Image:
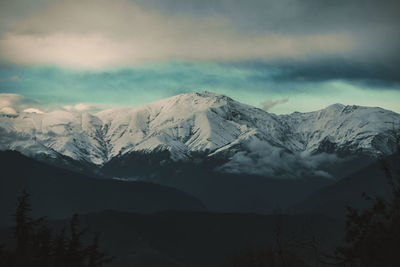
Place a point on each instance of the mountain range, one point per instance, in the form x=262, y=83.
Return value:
x=201, y=126
x=230, y=156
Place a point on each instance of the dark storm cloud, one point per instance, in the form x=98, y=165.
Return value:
x=303, y=40
x=290, y=15
x=370, y=74
x=374, y=25
x=386, y=74
x=101, y=34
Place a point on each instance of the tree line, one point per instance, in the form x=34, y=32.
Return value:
x=372, y=237
x=37, y=246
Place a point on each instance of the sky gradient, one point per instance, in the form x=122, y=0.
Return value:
x=283, y=56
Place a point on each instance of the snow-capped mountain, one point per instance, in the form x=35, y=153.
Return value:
x=205, y=123
x=75, y=135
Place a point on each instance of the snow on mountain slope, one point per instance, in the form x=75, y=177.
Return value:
x=183, y=124
x=197, y=122
x=351, y=128
x=71, y=134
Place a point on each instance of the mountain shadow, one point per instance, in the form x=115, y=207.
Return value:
x=58, y=193
x=332, y=200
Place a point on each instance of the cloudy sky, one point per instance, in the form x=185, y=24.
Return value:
x=280, y=55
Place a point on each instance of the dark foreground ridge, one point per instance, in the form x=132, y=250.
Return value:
x=333, y=199
x=59, y=193
x=194, y=239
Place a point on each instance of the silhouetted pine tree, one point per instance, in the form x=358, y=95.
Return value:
x=36, y=246
x=24, y=232
x=373, y=236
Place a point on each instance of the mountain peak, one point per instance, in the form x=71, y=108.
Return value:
x=335, y=106
x=208, y=94
x=205, y=95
